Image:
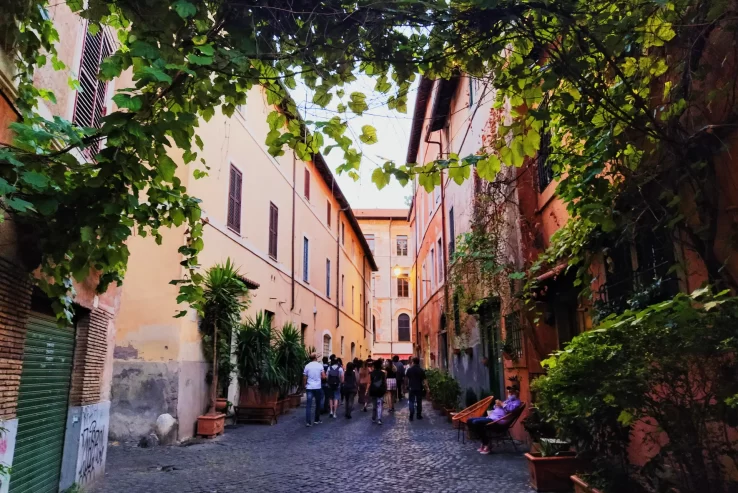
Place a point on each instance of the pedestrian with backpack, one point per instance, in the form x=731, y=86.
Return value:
x=324, y=384
x=377, y=389
x=350, y=387
x=400, y=370
x=335, y=379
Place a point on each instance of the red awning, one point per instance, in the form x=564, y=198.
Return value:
x=389, y=356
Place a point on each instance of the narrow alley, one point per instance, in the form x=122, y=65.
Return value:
x=338, y=455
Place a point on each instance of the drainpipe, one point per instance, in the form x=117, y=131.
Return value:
x=338, y=267
x=390, y=287
x=363, y=291
x=294, y=176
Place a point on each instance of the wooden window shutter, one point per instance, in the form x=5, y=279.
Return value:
x=89, y=105
x=328, y=213
x=273, y=228
x=307, y=184
x=234, y=199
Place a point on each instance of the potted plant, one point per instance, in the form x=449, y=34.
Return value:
x=259, y=377
x=582, y=486
x=552, y=466
x=290, y=356
x=220, y=308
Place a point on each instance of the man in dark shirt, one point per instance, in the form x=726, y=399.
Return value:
x=415, y=377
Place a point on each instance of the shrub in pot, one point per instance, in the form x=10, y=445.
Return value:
x=669, y=371
x=259, y=376
x=552, y=466
x=220, y=308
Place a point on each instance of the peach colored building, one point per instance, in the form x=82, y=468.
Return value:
x=55, y=379
x=288, y=227
x=390, y=237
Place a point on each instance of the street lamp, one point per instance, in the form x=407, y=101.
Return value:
x=397, y=270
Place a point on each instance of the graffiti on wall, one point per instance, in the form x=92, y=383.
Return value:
x=93, y=442
x=8, y=431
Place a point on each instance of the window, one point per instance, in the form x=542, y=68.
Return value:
x=269, y=317
x=305, y=259
x=361, y=307
x=353, y=350
x=545, y=171
x=341, y=353
x=352, y=300
x=343, y=290
x=89, y=107
x=328, y=213
x=403, y=328
x=374, y=329
x=440, y=261
x=370, y=241
x=433, y=267
x=401, y=245
x=328, y=277
x=403, y=287
x=471, y=92
x=273, y=228
x=451, y=233
x=326, y=345
x=514, y=334
x=374, y=286
x=303, y=331
x=307, y=184
x=234, y=200
x=343, y=234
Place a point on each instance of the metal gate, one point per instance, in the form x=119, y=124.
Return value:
x=42, y=406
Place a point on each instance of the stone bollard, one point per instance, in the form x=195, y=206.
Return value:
x=166, y=429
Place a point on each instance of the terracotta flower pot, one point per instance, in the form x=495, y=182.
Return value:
x=210, y=425
x=221, y=404
x=552, y=473
x=581, y=486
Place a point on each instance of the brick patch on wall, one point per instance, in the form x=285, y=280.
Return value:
x=89, y=358
x=15, y=304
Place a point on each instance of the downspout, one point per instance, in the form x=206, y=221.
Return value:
x=390, y=287
x=363, y=290
x=338, y=267
x=294, y=177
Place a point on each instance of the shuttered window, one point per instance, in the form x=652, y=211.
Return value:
x=328, y=213
x=273, y=228
x=328, y=278
x=305, y=259
x=89, y=107
x=403, y=287
x=234, y=200
x=307, y=184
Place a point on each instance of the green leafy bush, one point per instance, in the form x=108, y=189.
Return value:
x=668, y=372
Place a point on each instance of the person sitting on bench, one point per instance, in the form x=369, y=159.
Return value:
x=501, y=409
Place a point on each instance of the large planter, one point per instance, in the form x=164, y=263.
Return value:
x=221, y=404
x=253, y=397
x=210, y=425
x=283, y=405
x=552, y=473
x=295, y=400
x=581, y=486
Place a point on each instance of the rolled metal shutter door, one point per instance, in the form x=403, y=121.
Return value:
x=42, y=406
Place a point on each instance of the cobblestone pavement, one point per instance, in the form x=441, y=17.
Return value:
x=340, y=455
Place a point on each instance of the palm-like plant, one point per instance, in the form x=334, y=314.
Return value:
x=254, y=353
x=290, y=355
x=221, y=306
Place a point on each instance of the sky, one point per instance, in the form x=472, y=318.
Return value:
x=393, y=132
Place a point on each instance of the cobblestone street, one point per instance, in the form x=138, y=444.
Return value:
x=340, y=455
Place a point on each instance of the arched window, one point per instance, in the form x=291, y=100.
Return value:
x=403, y=327
x=353, y=350
x=326, y=345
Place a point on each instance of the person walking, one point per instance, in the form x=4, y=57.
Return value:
x=391, y=387
x=416, y=386
x=324, y=386
x=364, y=370
x=350, y=387
x=377, y=389
x=313, y=376
x=400, y=369
x=335, y=379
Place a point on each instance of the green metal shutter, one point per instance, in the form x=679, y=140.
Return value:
x=42, y=406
